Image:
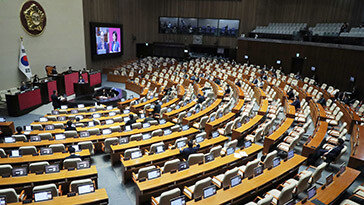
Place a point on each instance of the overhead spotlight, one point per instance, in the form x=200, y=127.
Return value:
x=186, y=51
x=246, y=57
x=297, y=55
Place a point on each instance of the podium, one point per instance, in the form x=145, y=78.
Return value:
x=23, y=102
x=82, y=89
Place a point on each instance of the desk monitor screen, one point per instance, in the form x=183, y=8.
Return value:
x=136, y=154
x=127, y=128
x=209, y=191
x=60, y=136
x=96, y=115
x=28, y=128
x=109, y=107
x=177, y=107
x=122, y=99
x=169, y=109
x=212, y=119
x=84, y=134
x=21, y=171
x=167, y=132
x=247, y=144
x=77, y=148
x=63, y=107
x=123, y=140
x=183, y=165
x=9, y=139
x=91, y=124
x=209, y=158
x=276, y=161
x=181, y=144
x=80, y=117
x=49, y=127
x=160, y=103
x=220, y=115
x=159, y=149
x=185, y=103
x=235, y=180
x=146, y=136
x=126, y=119
x=258, y=170
x=55, y=112
x=2, y=200
x=154, y=174
x=112, y=114
x=238, y=125
x=185, y=127
x=311, y=192
x=162, y=121
x=109, y=122
x=189, y=114
x=329, y=179
x=215, y=134
x=93, y=109
x=15, y=153
x=142, y=115
x=290, y=154
x=74, y=111
x=199, y=139
x=126, y=111
x=342, y=168
x=197, y=110
x=80, y=105
x=35, y=138
x=53, y=168
x=178, y=201
x=43, y=196
x=230, y=150
x=83, y=165
x=146, y=125
x=85, y=189
x=46, y=151
x=106, y=131
x=43, y=119
x=61, y=118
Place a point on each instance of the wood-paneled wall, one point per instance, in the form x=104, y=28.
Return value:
x=140, y=17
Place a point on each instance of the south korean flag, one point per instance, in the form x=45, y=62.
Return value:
x=23, y=61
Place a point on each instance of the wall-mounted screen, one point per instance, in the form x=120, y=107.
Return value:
x=187, y=25
x=208, y=26
x=228, y=27
x=168, y=25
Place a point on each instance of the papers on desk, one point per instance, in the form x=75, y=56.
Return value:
x=27, y=132
x=240, y=154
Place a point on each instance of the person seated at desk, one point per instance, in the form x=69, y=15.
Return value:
x=157, y=107
x=290, y=94
x=200, y=98
x=227, y=90
x=19, y=130
x=131, y=121
x=69, y=126
x=149, y=118
x=330, y=154
x=35, y=79
x=81, y=80
x=255, y=81
x=217, y=81
x=189, y=150
x=296, y=103
x=322, y=101
x=69, y=71
x=56, y=102
x=105, y=95
x=238, y=84
x=72, y=152
x=23, y=86
x=54, y=71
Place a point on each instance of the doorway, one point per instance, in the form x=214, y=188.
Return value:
x=297, y=65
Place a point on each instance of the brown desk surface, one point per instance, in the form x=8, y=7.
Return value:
x=169, y=153
x=319, y=135
x=357, y=157
x=98, y=196
x=169, y=103
x=336, y=188
x=221, y=120
x=281, y=130
x=31, y=158
x=196, y=169
x=36, y=178
x=85, y=113
x=263, y=107
x=248, y=125
x=132, y=144
x=141, y=105
x=247, y=185
x=203, y=112
x=181, y=109
x=238, y=106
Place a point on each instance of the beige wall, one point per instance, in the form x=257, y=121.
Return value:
x=61, y=44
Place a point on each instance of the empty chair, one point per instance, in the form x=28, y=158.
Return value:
x=58, y=126
x=75, y=183
x=176, y=128
x=196, y=190
x=87, y=145
x=268, y=161
x=11, y=196
x=37, y=167
x=118, y=119
x=257, y=136
x=136, y=137
x=262, y=201
x=223, y=180
x=348, y=202
x=301, y=184
x=70, y=134
x=71, y=163
x=47, y=187
x=37, y=127
x=115, y=129
x=166, y=197
x=28, y=150
x=195, y=158
x=127, y=153
x=171, y=165
x=280, y=197
x=316, y=175
x=19, y=138
x=227, y=130
x=57, y=147
x=2, y=153
x=231, y=144
x=178, y=120
x=142, y=173
x=153, y=122
x=336, y=132
x=94, y=131
x=137, y=125
x=108, y=142
x=5, y=169
x=45, y=136
x=215, y=151
x=153, y=147
x=51, y=118
x=247, y=171
x=158, y=132
x=288, y=146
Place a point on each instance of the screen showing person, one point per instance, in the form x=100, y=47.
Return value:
x=258, y=170
x=209, y=158
x=329, y=179
x=46, y=151
x=21, y=171
x=2, y=200
x=276, y=161
x=83, y=165
x=35, y=138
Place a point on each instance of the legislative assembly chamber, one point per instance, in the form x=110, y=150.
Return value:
x=182, y=102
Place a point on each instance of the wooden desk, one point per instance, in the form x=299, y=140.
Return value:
x=238, y=106
x=169, y=103
x=247, y=127
x=276, y=135
x=139, y=106
x=116, y=150
x=356, y=159
x=97, y=197
x=194, y=117
x=85, y=113
x=7, y=128
x=211, y=126
x=30, y=158
x=63, y=174
x=137, y=88
x=133, y=165
x=316, y=139
x=169, y=115
x=147, y=189
x=350, y=116
x=121, y=105
x=237, y=194
x=332, y=192
x=263, y=107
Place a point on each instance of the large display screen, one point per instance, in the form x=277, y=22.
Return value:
x=106, y=39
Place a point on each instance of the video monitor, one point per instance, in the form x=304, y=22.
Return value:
x=189, y=114
x=43, y=119
x=208, y=27
x=123, y=140
x=55, y=112
x=146, y=136
x=159, y=149
x=247, y=144
x=183, y=165
x=136, y=154
x=169, y=109
x=92, y=109
x=49, y=127
x=127, y=128
x=181, y=144
x=109, y=107
x=342, y=168
x=209, y=191
x=215, y=134
x=235, y=180
x=84, y=134
x=85, y=189
x=2, y=200
x=80, y=105
x=178, y=201
x=83, y=165
x=126, y=111
x=35, y=138
x=276, y=161
x=112, y=114
x=311, y=192
x=220, y=115
x=199, y=139
x=43, y=196
x=9, y=139
x=185, y=127
x=126, y=119
x=329, y=179
x=155, y=173
x=313, y=68
x=106, y=40
x=146, y=125
x=76, y=147
x=168, y=25
x=177, y=107
x=28, y=128
x=162, y=121
x=187, y=25
x=53, y=168
x=290, y=154
x=167, y=132
x=212, y=119
x=106, y=131
x=96, y=115
x=74, y=111
x=229, y=27
x=209, y=158
x=352, y=79
x=61, y=118
x=46, y=151
x=142, y=115
x=109, y=122
x=21, y=171
x=258, y=170
x=230, y=150
x=63, y=107
x=60, y=136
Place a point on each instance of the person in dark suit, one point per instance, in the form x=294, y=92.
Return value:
x=23, y=86
x=296, y=103
x=115, y=46
x=72, y=152
x=330, y=154
x=149, y=118
x=228, y=90
x=189, y=150
x=200, y=98
x=238, y=84
x=81, y=80
x=19, y=130
x=131, y=121
x=35, y=79
x=69, y=71
x=69, y=126
x=157, y=107
x=290, y=94
x=322, y=101
x=54, y=71
x=56, y=102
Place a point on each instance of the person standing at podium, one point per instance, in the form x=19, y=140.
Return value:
x=81, y=80
x=56, y=102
